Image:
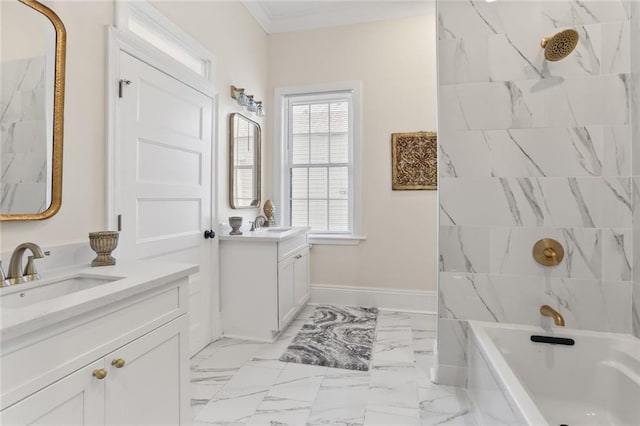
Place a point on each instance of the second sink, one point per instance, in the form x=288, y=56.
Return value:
x=278, y=229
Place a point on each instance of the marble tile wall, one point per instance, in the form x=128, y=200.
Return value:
x=635, y=122
x=23, y=156
x=531, y=149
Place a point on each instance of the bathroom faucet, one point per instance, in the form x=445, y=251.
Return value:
x=257, y=224
x=548, y=311
x=15, y=273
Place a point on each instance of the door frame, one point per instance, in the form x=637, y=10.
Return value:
x=121, y=41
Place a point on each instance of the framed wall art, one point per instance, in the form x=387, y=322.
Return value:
x=414, y=164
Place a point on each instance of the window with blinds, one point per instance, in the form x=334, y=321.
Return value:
x=320, y=161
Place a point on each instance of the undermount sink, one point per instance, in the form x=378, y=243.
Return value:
x=21, y=295
x=278, y=229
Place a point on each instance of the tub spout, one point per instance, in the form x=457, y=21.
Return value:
x=548, y=311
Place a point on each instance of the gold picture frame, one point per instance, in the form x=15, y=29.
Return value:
x=414, y=161
x=58, y=116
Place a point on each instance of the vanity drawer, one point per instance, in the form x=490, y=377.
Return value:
x=63, y=347
x=287, y=247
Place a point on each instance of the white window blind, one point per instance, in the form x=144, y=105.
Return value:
x=320, y=161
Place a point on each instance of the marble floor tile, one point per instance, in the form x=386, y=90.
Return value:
x=232, y=409
x=423, y=340
x=445, y=406
x=329, y=411
x=393, y=347
x=201, y=394
x=231, y=356
x=204, y=354
x=249, y=380
x=424, y=322
x=342, y=398
x=237, y=382
x=424, y=365
x=212, y=375
x=280, y=411
x=299, y=382
x=269, y=354
x=394, y=386
x=387, y=319
x=391, y=415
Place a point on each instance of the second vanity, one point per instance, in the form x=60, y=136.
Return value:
x=98, y=346
x=264, y=281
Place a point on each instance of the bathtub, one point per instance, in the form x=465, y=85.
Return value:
x=512, y=380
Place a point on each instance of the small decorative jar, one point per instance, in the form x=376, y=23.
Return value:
x=103, y=243
x=235, y=222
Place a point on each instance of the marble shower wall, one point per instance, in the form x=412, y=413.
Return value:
x=530, y=149
x=635, y=114
x=23, y=155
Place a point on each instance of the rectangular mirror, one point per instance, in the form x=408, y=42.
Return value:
x=244, y=162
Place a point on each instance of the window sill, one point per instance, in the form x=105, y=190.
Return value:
x=335, y=240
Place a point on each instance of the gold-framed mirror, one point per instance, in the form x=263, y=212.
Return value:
x=244, y=162
x=32, y=57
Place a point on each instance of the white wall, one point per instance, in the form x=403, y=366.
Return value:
x=395, y=60
x=18, y=19
x=83, y=207
x=240, y=53
x=240, y=46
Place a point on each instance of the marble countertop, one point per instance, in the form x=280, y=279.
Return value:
x=130, y=278
x=266, y=234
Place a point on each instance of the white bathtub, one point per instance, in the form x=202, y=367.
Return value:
x=512, y=380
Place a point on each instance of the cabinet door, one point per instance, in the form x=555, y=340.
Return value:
x=77, y=399
x=151, y=387
x=301, y=277
x=286, y=291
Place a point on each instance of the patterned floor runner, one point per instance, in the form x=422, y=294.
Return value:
x=337, y=336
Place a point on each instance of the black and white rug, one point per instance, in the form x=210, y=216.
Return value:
x=337, y=336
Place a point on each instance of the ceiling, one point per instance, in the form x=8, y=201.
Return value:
x=285, y=16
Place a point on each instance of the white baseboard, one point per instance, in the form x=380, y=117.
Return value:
x=385, y=299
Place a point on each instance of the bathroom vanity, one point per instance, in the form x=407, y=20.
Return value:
x=264, y=281
x=97, y=346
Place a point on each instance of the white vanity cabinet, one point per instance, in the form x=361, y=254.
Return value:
x=264, y=282
x=122, y=363
x=144, y=391
x=293, y=286
x=77, y=399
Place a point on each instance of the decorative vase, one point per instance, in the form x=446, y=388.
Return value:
x=269, y=211
x=103, y=243
x=235, y=222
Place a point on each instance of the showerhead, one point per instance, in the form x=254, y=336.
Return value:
x=560, y=45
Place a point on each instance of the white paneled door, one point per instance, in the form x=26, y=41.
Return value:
x=164, y=154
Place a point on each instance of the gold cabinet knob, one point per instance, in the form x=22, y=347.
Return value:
x=100, y=374
x=118, y=363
